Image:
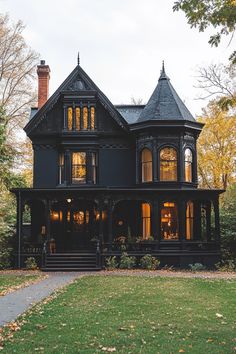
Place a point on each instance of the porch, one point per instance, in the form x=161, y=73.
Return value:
x=179, y=228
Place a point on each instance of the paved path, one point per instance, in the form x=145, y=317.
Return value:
x=14, y=304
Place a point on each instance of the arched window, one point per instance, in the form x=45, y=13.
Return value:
x=146, y=165
x=169, y=221
x=69, y=118
x=168, y=164
x=77, y=118
x=189, y=220
x=92, y=118
x=188, y=165
x=146, y=220
x=85, y=118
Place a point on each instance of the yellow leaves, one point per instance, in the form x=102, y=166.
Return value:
x=217, y=149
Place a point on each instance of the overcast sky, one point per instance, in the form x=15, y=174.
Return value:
x=121, y=42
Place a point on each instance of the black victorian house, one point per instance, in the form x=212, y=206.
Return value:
x=110, y=178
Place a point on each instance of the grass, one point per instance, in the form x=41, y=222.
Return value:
x=132, y=315
x=11, y=282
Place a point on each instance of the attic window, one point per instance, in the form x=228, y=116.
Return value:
x=80, y=118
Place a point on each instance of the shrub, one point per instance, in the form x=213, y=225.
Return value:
x=149, y=262
x=30, y=263
x=226, y=266
x=196, y=267
x=111, y=263
x=127, y=262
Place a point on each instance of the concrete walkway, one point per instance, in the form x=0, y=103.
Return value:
x=14, y=304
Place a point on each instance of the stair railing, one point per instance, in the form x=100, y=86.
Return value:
x=44, y=254
x=98, y=254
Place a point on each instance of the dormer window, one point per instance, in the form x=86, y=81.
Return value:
x=80, y=118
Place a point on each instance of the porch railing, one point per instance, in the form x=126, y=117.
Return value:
x=162, y=246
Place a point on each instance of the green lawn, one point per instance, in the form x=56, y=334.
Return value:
x=13, y=281
x=99, y=314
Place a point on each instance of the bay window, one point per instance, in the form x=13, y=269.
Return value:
x=168, y=164
x=188, y=165
x=146, y=165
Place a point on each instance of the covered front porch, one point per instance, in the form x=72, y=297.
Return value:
x=179, y=227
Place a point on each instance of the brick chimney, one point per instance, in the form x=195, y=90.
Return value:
x=43, y=72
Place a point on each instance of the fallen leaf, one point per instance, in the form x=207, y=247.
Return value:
x=218, y=315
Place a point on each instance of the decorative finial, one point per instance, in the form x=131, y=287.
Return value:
x=163, y=75
x=78, y=60
x=163, y=66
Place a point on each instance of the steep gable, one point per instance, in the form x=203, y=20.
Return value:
x=79, y=83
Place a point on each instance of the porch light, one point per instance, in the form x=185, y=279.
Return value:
x=68, y=200
x=55, y=215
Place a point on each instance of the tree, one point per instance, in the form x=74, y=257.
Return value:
x=218, y=80
x=17, y=73
x=217, y=13
x=217, y=148
x=8, y=179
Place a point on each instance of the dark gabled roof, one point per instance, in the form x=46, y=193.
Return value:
x=77, y=80
x=130, y=113
x=165, y=104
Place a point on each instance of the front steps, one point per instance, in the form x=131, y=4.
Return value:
x=70, y=262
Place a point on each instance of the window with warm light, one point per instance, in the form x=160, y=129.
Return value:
x=85, y=118
x=61, y=168
x=80, y=117
x=92, y=118
x=188, y=165
x=189, y=220
x=146, y=165
x=84, y=167
x=78, y=167
x=146, y=220
x=69, y=118
x=169, y=221
x=77, y=118
x=168, y=164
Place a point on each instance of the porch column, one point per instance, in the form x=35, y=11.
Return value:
x=109, y=219
x=197, y=220
x=155, y=221
x=19, y=226
x=48, y=218
x=100, y=225
x=208, y=220
x=182, y=223
x=217, y=220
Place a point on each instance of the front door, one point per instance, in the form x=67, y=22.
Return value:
x=78, y=229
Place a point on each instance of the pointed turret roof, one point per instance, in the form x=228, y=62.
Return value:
x=164, y=103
